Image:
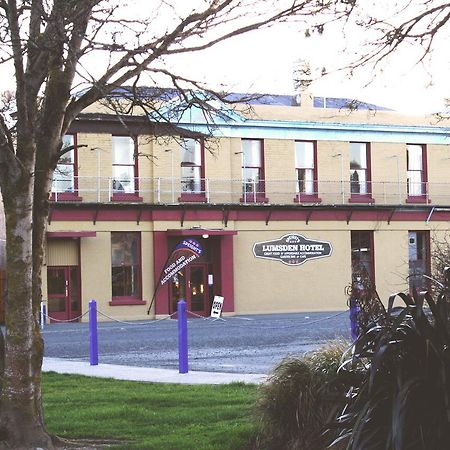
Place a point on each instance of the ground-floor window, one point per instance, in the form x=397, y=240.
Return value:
x=419, y=260
x=362, y=254
x=126, y=265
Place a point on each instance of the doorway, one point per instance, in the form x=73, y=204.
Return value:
x=191, y=284
x=64, y=301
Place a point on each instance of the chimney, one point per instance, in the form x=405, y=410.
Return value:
x=302, y=78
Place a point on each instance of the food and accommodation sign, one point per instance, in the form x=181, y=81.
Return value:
x=292, y=249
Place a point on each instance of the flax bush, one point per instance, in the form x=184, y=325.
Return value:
x=301, y=396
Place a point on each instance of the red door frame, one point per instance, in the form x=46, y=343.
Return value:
x=223, y=275
x=68, y=313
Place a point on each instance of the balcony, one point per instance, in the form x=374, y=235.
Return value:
x=276, y=192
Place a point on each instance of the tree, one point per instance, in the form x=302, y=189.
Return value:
x=50, y=44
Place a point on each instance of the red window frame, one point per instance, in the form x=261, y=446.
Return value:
x=193, y=195
x=419, y=195
x=118, y=192
x=360, y=240
x=70, y=195
x=301, y=195
x=136, y=268
x=355, y=185
x=248, y=193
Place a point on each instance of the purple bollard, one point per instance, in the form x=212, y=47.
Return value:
x=354, y=311
x=93, y=339
x=183, y=364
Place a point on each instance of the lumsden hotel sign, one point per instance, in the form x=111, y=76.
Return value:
x=292, y=249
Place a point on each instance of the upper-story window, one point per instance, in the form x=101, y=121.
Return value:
x=192, y=167
x=65, y=176
x=124, y=165
x=306, y=169
x=417, y=175
x=360, y=177
x=252, y=170
x=360, y=169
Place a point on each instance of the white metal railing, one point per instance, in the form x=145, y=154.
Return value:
x=222, y=191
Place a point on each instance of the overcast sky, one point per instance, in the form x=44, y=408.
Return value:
x=263, y=62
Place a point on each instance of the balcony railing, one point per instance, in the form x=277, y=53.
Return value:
x=217, y=191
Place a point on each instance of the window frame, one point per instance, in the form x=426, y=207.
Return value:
x=371, y=261
x=366, y=197
x=304, y=197
x=422, y=196
x=129, y=299
x=194, y=196
x=71, y=195
x=118, y=195
x=425, y=235
x=260, y=195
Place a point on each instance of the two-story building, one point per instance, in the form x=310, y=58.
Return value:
x=284, y=200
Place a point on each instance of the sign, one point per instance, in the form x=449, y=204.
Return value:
x=184, y=253
x=217, y=305
x=292, y=249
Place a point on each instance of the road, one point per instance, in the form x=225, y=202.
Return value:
x=241, y=344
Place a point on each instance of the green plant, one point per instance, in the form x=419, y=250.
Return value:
x=300, y=397
x=402, y=401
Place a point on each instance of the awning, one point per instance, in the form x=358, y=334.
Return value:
x=70, y=234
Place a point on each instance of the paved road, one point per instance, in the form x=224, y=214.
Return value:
x=242, y=344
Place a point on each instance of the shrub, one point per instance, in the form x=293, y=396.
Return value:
x=402, y=401
x=300, y=397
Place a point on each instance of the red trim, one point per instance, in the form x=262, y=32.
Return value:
x=226, y=272
x=254, y=199
x=126, y=198
x=65, y=197
x=200, y=232
x=160, y=255
x=417, y=199
x=192, y=198
x=301, y=214
x=127, y=301
x=307, y=198
x=71, y=234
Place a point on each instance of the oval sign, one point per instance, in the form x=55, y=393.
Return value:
x=292, y=249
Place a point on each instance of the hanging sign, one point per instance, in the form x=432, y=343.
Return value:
x=292, y=249
x=184, y=253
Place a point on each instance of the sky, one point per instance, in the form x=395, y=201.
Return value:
x=263, y=61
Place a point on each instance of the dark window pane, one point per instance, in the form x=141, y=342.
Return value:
x=125, y=260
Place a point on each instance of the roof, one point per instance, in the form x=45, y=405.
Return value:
x=171, y=94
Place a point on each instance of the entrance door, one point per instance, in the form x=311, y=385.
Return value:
x=63, y=293
x=191, y=284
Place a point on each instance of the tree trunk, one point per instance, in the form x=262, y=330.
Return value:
x=21, y=421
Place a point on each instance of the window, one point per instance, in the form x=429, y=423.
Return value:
x=65, y=175
x=192, y=167
x=124, y=164
x=362, y=254
x=419, y=260
x=305, y=167
x=252, y=169
x=417, y=177
x=126, y=265
x=359, y=169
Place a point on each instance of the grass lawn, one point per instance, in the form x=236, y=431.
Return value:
x=150, y=415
